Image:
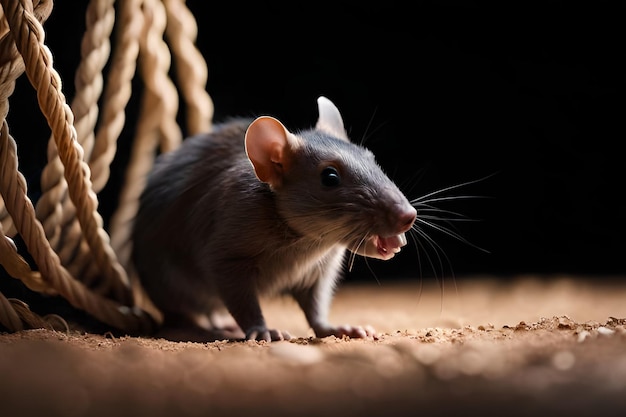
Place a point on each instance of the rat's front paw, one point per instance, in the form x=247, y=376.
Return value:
x=357, y=332
x=269, y=335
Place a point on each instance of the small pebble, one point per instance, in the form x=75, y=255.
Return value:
x=605, y=331
x=583, y=335
x=297, y=353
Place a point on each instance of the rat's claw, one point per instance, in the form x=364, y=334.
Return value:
x=356, y=332
x=269, y=335
x=279, y=335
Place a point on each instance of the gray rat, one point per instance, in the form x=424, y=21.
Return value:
x=252, y=209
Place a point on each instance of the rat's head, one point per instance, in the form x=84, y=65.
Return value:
x=329, y=188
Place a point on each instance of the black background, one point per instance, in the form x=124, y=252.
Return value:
x=444, y=93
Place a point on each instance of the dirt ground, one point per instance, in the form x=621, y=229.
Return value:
x=554, y=346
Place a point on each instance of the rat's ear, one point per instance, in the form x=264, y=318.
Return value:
x=330, y=120
x=269, y=147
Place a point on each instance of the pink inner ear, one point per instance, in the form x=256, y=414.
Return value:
x=266, y=139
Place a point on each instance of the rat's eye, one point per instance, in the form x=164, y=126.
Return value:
x=330, y=177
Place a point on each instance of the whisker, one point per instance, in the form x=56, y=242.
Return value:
x=410, y=183
x=446, y=219
x=441, y=256
x=353, y=256
x=450, y=233
x=421, y=200
x=419, y=266
x=351, y=259
x=353, y=253
x=431, y=209
x=367, y=128
x=437, y=248
x=419, y=243
x=369, y=267
x=450, y=188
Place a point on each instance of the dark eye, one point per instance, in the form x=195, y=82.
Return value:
x=330, y=177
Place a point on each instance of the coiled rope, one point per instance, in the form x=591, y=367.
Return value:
x=74, y=256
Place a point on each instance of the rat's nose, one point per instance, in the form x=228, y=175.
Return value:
x=405, y=217
x=400, y=214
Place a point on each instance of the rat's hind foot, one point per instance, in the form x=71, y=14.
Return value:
x=269, y=335
x=356, y=332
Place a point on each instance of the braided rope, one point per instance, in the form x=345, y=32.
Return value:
x=54, y=209
x=11, y=66
x=28, y=34
x=11, y=181
x=17, y=266
x=117, y=92
x=156, y=124
x=9, y=318
x=70, y=242
x=6, y=222
x=192, y=72
x=13, y=188
x=22, y=317
x=8, y=54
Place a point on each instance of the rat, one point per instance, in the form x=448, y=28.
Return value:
x=252, y=209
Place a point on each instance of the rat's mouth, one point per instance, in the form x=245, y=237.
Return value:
x=382, y=247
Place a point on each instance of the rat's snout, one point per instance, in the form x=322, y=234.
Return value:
x=395, y=216
x=400, y=214
x=402, y=217
x=406, y=217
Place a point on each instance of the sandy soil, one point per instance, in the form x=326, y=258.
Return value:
x=555, y=347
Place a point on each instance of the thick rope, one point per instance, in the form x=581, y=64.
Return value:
x=12, y=66
x=191, y=68
x=156, y=124
x=73, y=225
x=54, y=208
x=13, y=188
x=22, y=317
x=118, y=91
x=28, y=35
x=88, y=80
x=27, y=32
x=17, y=267
x=42, y=9
x=6, y=222
x=57, y=277
x=9, y=318
x=11, y=181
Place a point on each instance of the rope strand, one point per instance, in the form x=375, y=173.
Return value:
x=156, y=124
x=192, y=72
x=54, y=209
x=28, y=35
x=73, y=253
x=117, y=92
